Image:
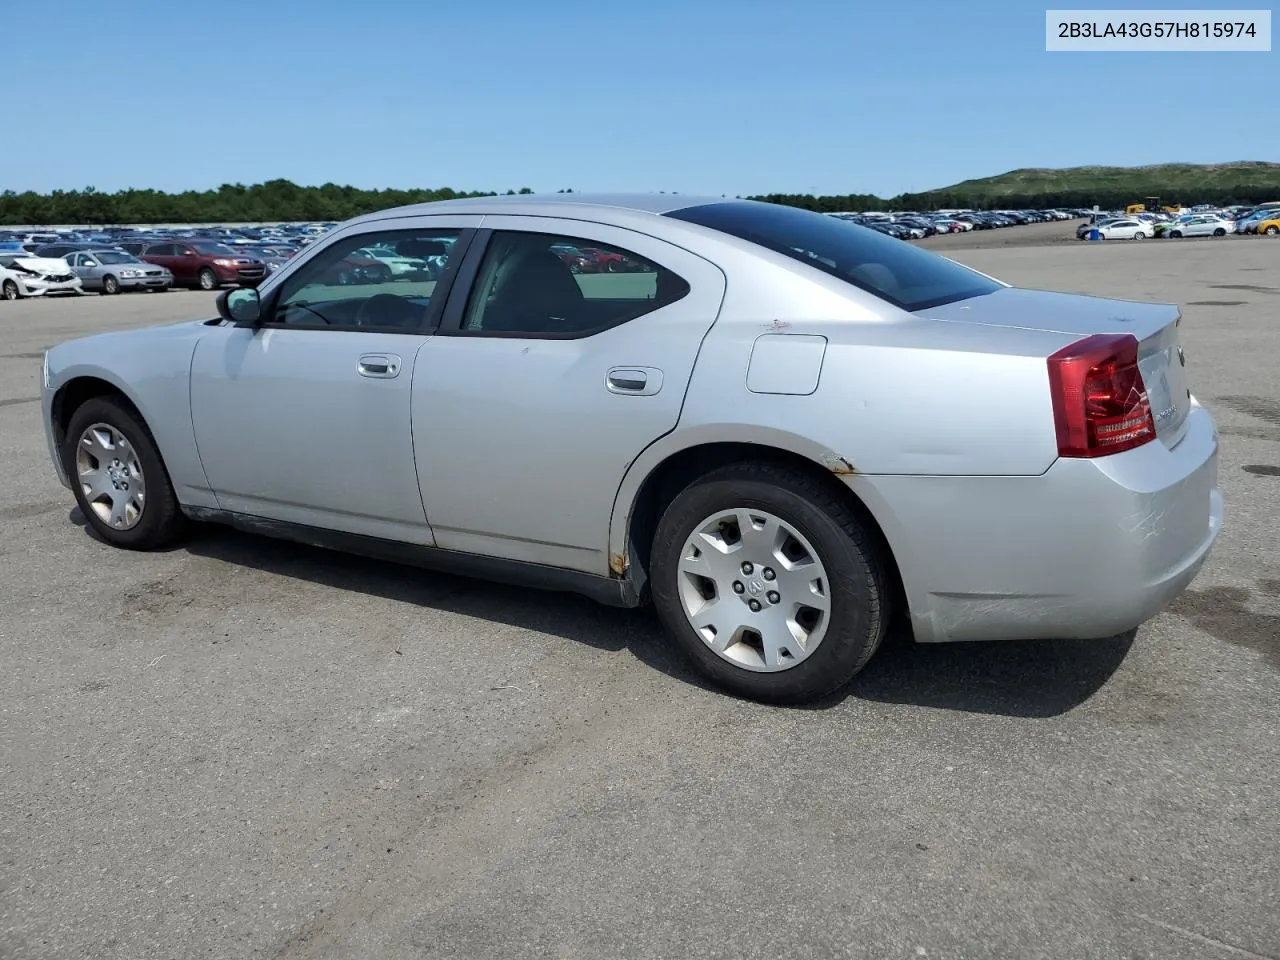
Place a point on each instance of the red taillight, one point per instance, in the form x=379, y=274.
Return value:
x=1100, y=403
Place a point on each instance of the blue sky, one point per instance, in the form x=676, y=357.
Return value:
x=697, y=96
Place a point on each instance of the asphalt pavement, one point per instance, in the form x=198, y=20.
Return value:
x=247, y=748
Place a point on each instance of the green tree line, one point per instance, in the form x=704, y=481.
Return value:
x=282, y=200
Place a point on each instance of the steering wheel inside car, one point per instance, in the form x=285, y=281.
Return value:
x=388, y=310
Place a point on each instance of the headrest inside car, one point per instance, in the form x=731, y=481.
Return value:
x=421, y=248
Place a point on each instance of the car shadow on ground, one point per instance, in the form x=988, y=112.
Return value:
x=1032, y=679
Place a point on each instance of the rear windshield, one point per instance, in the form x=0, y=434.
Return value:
x=891, y=269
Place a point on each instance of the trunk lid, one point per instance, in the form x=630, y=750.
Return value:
x=1155, y=325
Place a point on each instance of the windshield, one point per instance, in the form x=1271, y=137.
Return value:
x=217, y=249
x=906, y=276
x=110, y=256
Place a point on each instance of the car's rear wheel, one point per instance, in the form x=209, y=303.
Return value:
x=1272, y=230
x=1176, y=234
x=769, y=582
x=207, y=279
x=1138, y=235
x=1220, y=232
x=10, y=291
x=110, y=285
x=119, y=480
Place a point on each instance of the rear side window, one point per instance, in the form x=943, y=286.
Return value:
x=891, y=269
x=546, y=285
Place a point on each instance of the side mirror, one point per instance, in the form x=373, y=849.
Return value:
x=241, y=305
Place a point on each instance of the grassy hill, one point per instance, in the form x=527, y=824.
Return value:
x=1244, y=181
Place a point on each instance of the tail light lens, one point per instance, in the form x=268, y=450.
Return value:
x=1100, y=404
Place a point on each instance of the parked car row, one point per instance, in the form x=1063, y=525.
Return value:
x=917, y=226
x=1198, y=222
x=119, y=260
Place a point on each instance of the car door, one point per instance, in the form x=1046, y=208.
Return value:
x=543, y=384
x=185, y=263
x=161, y=254
x=305, y=418
x=82, y=266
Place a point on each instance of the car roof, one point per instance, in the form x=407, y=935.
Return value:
x=603, y=206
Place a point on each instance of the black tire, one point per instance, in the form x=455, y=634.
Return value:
x=162, y=520
x=10, y=291
x=110, y=285
x=860, y=595
x=1220, y=232
x=1272, y=230
x=1176, y=234
x=207, y=279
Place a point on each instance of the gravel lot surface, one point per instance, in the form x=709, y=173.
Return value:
x=244, y=748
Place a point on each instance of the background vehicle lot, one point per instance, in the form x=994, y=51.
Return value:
x=248, y=748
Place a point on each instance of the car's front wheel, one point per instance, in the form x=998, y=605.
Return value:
x=769, y=582
x=207, y=279
x=1272, y=230
x=119, y=480
x=10, y=291
x=110, y=285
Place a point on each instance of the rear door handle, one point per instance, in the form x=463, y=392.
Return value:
x=380, y=365
x=634, y=381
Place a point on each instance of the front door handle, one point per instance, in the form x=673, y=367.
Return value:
x=380, y=365
x=634, y=381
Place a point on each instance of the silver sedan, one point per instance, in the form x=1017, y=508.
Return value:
x=779, y=428
x=111, y=271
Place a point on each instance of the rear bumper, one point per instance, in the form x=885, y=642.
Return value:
x=1089, y=549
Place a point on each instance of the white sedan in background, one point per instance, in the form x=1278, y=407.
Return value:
x=1202, y=225
x=1127, y=229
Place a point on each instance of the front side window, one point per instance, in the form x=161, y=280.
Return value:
x=383, y=280
x=903, y=275
x=539, y=284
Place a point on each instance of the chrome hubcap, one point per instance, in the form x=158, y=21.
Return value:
x=110, y=476
x=754, y=589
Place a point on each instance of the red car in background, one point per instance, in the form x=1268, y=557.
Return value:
x=594, y=260
x=204, y=264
